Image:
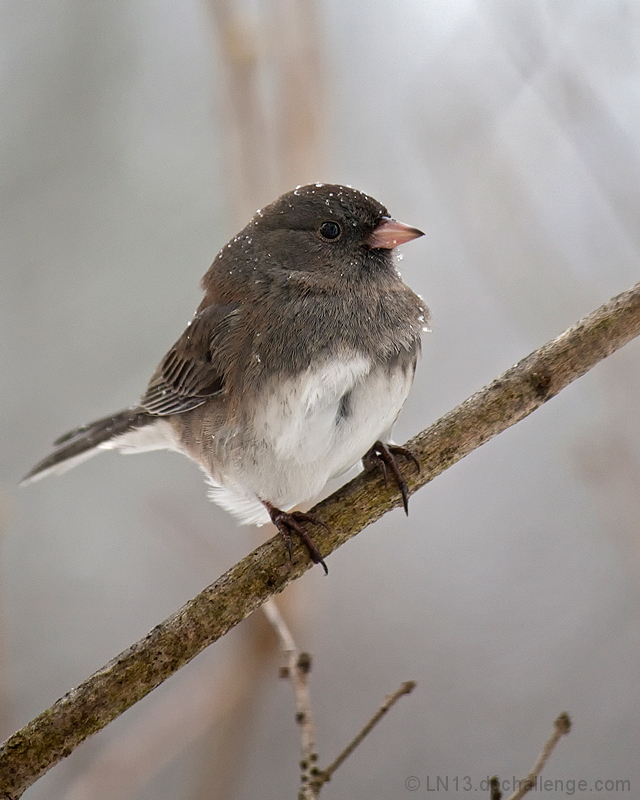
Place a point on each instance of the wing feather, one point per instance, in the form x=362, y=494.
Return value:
x=190, y=373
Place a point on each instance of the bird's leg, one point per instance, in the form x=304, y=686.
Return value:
x=382, y=456
x=288, y=522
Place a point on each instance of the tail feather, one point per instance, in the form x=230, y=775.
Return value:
x=81, y=443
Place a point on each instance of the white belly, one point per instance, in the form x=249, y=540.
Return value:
x=309, y=430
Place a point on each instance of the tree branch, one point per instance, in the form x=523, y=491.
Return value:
x=83, y=711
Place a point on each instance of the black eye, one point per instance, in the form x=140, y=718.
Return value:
x=330, y=230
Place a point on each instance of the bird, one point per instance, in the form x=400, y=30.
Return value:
x=293, y=368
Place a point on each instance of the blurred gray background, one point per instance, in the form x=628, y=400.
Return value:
x=136, y=138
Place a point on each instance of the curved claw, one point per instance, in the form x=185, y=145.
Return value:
x=305, y=516
x=288, y=522
x=382, y=456
x=396, y=450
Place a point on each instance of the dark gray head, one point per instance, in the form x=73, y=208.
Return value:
x=324, y=210
x=329, y=232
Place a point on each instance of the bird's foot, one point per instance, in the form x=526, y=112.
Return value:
x=288, y=522
x=383, y=456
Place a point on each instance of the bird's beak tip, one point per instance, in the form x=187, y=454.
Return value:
x=390, y=233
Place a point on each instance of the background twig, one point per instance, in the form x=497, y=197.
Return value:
x=562, y=726
x=406, y=688
x=298, y=668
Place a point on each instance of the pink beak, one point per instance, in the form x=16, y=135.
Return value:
x=389, y=233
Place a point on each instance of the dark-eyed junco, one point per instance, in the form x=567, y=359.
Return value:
x=294, y=367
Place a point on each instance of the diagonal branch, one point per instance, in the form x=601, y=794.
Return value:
x=390, y=700
x=55, y=733
x=561, y=727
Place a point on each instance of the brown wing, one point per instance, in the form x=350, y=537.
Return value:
x=190, y=373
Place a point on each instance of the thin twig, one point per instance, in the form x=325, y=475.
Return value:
x=562, y=726
x=406, y=688
x=312, y=779
x=298, y=668
x=6, y=695
x=494, y=789
x=519, y=391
